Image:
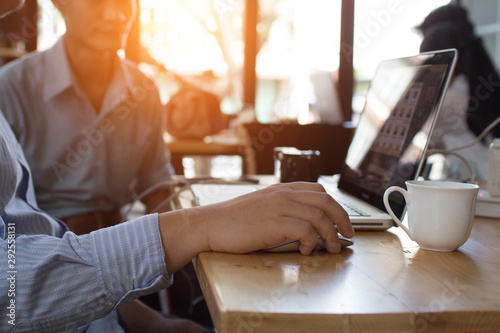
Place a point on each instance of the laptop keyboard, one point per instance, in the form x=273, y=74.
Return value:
x=351, y=209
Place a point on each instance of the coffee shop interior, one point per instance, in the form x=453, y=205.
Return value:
x=303, y=65
x=240, y=78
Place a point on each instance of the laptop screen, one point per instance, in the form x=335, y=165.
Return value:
x=395, y=126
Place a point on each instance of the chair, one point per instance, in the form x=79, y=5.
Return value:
x=331, y=140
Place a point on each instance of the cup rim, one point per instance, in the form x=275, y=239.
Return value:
x=442, y=184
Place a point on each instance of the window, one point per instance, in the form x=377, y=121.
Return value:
x=203, y=40
x=486, y=17
x=199, y=40
x=50, y=24
x=384, y=29
x=295, y=39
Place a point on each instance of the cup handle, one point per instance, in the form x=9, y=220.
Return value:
x=389, y=209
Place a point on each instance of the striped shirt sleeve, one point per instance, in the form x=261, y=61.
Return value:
x=64, y=283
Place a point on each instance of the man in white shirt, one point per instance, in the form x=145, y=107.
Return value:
x=90, y=122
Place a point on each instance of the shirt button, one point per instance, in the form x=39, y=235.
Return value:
x=110, y=303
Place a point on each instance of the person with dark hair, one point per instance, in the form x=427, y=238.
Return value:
x=473, y=99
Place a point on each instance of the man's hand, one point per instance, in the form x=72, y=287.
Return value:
x=298, y=211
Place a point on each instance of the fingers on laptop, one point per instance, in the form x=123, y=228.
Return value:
x=316, y=203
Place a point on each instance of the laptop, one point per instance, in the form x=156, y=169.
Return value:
x=389, y=143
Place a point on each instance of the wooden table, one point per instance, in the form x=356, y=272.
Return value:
x=226, y=143
x=383, y=283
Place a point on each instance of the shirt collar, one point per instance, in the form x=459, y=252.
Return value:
x=120, y=88
x=58, y=77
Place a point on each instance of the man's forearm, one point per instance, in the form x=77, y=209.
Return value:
x=184, y=235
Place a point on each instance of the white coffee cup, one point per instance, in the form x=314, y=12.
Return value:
x=440, y=213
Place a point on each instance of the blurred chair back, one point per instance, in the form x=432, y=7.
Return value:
x=331, y=140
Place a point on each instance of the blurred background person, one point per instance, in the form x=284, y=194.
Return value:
x=473, y=98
